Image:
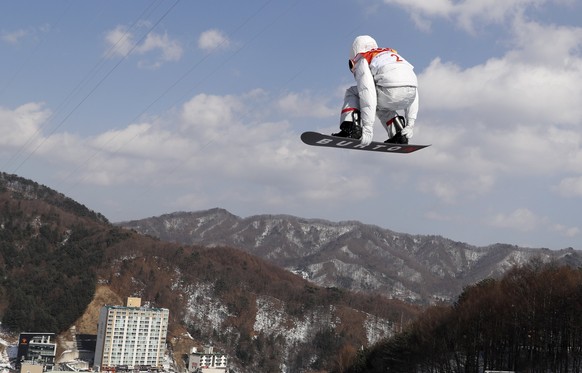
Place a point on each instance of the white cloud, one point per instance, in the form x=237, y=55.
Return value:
x=437, y=216
x=19, y=36
x=169, y=50
x=466, y=13
x=212, y=40
x=515, y=87
x=566, y=231
x=211, y=116
x=458, y=188
x=548, y=45
x=524, y=220
x=521, y=219
x=570, y=187
x=14, y=37
x=210, y=135
x=305, y=105
x=119, y=41
x=22, y=125
x=155, y=49
x=435, y=8
x=515, y=115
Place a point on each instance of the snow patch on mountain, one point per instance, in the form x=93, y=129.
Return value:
x=205, y=310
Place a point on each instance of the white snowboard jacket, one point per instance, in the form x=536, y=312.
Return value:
x=382, y=67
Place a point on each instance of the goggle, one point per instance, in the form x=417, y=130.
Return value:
x=351, y=65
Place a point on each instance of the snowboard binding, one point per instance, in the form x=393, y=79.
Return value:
x=351, y=129
x=399, y=123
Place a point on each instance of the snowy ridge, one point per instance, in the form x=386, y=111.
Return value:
x=350, y=254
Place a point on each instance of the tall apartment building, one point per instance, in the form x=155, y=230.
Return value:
x=131, y=337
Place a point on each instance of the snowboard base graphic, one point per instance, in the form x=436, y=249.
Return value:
x=319, y=139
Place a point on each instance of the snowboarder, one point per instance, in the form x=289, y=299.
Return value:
x=386, y=83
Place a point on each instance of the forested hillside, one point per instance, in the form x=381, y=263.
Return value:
x=50, y=247
x=528, y=321
x=54, y=252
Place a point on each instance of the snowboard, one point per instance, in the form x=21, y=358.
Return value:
x=319, y=139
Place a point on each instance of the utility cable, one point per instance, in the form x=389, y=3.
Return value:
x=99, y=83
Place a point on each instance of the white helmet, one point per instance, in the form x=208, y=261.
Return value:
x=361, y=44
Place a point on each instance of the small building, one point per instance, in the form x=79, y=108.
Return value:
x=38, y=349
x=207, y=361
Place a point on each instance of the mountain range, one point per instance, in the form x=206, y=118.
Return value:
x=350, y=255
x=273, y=292
x=60, y=262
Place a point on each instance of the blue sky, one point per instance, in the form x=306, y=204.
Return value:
x=142, y=108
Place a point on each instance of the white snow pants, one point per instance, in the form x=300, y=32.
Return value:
x=390, y=99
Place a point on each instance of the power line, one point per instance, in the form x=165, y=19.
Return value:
x=99, y=83
x=179, y=80
x=84, y=82
x=38, y=46
x=14, y=76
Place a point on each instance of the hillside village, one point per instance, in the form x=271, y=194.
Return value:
x=130, y=338
x=257, y=315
